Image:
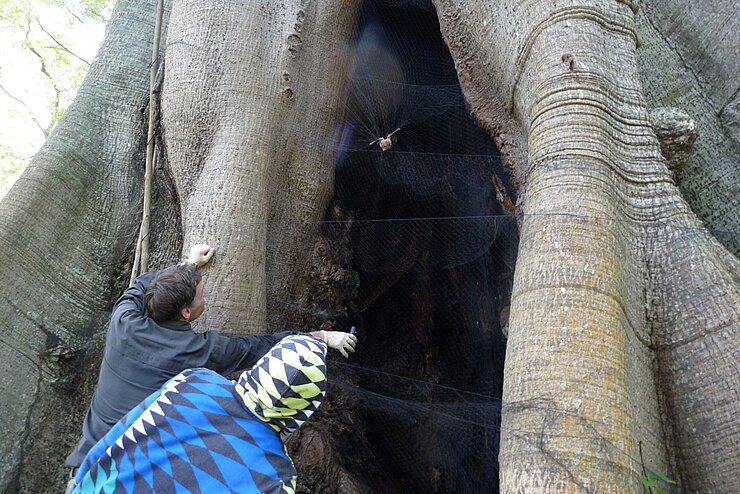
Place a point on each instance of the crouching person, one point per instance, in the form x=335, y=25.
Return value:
x=204, y=433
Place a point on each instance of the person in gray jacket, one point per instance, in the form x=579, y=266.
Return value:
x=150, y=340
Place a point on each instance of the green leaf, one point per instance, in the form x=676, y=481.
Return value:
x=652, y=474
x=57, y=114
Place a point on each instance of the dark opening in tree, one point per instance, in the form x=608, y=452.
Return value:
x=435, y=255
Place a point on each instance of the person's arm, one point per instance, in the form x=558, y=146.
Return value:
x=135, y=293
x=230, y=354
x=234, y=353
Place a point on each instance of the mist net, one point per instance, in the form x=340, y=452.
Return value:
x=434, y=253
x=417, y=219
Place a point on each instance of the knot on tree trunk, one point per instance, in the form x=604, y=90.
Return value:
x=332, y=289
x=676, y=133
x=59, y=367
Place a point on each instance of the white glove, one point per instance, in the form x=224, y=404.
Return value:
x=200, y=254
x=339, y=340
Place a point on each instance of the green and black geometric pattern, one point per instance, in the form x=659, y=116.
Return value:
x=287, y=385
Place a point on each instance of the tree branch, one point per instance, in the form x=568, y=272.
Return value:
x=30, y=113
x=59, y=43
x=141, y=256
x=73, y=14
x=89, y=12
x=57, y=91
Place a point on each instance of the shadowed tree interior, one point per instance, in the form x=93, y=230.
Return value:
x=435, y=254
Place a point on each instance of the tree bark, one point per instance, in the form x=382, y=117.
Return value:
x=66, y=231
x=605, y=234
x=688, y=59
x=623, y=346
x=251, y=111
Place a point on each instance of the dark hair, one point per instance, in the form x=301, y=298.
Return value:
x=171, y=291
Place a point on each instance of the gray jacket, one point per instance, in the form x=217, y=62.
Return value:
x=141, y=355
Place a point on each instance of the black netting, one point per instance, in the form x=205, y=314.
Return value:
x=421, y=259
x=434, y=254
x=415, y=209
x=380, y=108
x=441, y=439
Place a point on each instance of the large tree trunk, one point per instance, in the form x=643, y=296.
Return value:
x=251, y=113
x=623, y=328
x=66, y=231
x=688, y=59
x=613, y=268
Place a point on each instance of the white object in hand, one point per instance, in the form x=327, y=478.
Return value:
x=200, y=254
x=339, y=340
